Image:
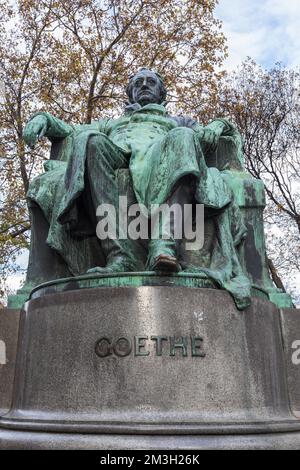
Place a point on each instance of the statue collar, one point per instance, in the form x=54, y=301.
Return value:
x=151, y=108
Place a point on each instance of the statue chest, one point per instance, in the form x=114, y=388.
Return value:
x=137, y=134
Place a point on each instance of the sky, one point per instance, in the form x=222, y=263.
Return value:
x=266, y=30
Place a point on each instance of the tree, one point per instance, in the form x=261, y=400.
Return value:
x=73, y=58
x=22, y=31
x=102, y=43
x=265, y=106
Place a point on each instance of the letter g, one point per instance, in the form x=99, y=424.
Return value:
x=103, y=347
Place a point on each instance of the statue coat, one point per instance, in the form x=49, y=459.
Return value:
x=160, y=149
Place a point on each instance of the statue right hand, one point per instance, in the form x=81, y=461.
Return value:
x=34, y=130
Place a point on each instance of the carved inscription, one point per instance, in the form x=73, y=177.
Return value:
x=157, y=345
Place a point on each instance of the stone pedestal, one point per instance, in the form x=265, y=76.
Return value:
x=9, y=326
x=149, y=367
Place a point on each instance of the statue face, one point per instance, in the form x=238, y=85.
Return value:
x=146, y=88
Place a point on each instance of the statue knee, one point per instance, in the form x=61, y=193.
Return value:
x=96, y=142
x=97, y=150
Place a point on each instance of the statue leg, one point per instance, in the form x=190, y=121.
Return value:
x=176, y=162
x=103, y=159
x=164, y=247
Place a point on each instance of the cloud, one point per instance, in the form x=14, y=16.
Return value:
x=266, y=30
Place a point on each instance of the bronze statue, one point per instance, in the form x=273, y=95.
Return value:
x=171, y=159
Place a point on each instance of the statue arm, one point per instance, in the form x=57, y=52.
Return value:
x=209, y=136
x=222, y=127
x=233, y=139
x=44, y=124
x=56, y=128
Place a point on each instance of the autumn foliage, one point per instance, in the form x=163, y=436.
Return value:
x=265, y=105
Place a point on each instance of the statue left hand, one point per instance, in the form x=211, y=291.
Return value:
x=34, y=130
x=209, y=139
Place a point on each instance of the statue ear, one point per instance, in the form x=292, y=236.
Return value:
x=163, y=93
x=128, y=90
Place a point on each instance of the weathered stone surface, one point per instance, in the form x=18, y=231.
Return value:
x=73, y=441
x=9, y=325
x=239, y=385
x=223, y=387
x=290, y=320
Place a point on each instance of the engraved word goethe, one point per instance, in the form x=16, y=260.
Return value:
x=157, y=345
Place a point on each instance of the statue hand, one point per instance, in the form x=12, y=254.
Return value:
x=209, y=138
x=34, y=130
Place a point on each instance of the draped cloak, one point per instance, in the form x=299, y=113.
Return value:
x=161, y=149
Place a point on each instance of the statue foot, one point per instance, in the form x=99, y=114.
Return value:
x=119, y=265
x=165, y=263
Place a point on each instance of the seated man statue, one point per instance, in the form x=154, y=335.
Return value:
x=167, y=160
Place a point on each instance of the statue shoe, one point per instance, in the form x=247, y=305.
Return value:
x=164, y=262
x=116, y=265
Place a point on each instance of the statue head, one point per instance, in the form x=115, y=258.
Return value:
x=146, y=87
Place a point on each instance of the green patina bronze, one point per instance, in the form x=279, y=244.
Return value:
x=152, y=158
